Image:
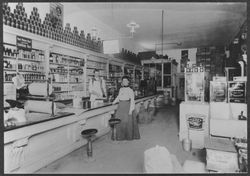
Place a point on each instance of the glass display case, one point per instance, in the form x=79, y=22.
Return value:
x=196, y=84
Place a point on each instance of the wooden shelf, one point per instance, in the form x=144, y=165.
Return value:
x=96, y=68
x=30, y=60
x=61, y=91
x=65, y=73
x=35, y=80
x=22, y=59
x=67, y=82
x=32, y=71
x=7, y=69
x=9, y=57
x=52, y=63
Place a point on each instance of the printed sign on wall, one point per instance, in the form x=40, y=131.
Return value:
x=23, y=43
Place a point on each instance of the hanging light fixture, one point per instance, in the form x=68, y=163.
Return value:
x=162, y=36
x=132, y=25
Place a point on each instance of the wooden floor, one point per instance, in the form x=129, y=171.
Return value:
x=128, y=156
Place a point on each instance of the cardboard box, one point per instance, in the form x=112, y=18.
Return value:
x=221, y=155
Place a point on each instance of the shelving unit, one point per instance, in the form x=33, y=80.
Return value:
x=66, y=70
x=29, y=63
x=61, y=70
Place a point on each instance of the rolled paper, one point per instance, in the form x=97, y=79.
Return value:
x=39, y=89
x=40, y=106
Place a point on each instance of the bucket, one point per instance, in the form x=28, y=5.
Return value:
x=187, y=144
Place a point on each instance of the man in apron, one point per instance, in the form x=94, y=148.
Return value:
x=97, y=89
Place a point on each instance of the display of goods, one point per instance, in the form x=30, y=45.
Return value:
x=237, y=92
x=218, y=91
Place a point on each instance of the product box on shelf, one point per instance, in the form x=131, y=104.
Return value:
x=218, y=91
x=240, y=78
x=220, y=78
x=237, y=92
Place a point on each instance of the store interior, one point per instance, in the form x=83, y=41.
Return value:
x=186, y=66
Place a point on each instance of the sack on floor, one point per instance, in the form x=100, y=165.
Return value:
x=157, y=160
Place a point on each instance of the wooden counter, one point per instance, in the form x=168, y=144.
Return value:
x=34, y=146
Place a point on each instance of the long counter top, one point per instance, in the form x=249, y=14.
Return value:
x=69, y=110
x=67, y=115
x=34, y=145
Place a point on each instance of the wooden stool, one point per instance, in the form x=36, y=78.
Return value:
x=112, y=123
x=88, y=133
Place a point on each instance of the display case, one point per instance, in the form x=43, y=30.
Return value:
x=28, y=62
x=218, y=91
x=236, y=91
x=196, y=84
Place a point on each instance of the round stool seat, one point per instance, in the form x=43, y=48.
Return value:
x=89, y=132
x=114, y=121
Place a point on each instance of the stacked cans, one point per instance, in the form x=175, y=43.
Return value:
x=51, y=27
x=6, y=14
x=76, y=37
x=88, y=41
x=82, y=39
x=35, y=22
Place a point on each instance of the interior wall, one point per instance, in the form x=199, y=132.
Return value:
x=176, y=54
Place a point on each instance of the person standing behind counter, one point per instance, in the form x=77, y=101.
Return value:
x=128, y=128
x=97, y=89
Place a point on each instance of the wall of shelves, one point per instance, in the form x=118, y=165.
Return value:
x=29, y=63
x=68, y=67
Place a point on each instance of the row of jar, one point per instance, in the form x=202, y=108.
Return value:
x=59, y=59
x=30, y=55
x=27, y=77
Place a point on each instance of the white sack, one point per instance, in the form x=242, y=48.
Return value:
x=158, y=160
